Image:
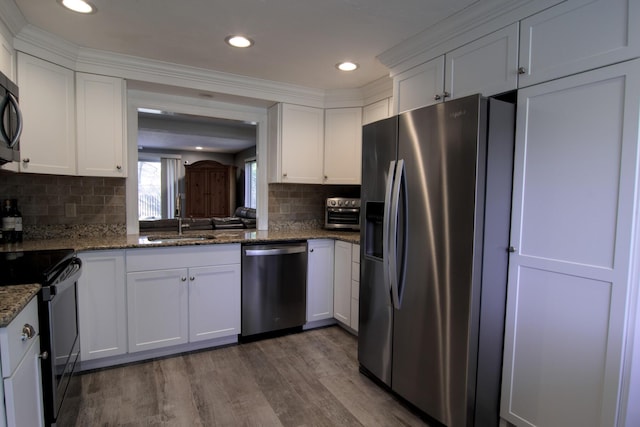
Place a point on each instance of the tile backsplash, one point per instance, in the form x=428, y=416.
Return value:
x=52, y=204
x=301, y=206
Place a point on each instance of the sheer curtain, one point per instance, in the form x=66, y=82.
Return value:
x=172, y=175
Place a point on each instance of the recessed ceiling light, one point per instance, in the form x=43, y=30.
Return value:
x=239, y=41
x=199, y=148
x=347, y=66
x=79, y=6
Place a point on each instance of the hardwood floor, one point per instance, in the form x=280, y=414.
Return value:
x=305, y=379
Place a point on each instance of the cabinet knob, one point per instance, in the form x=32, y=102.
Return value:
x=284, y=174
x=326, y=177
x=28, y=332
x=26, y=160
x=44, y=355
x=183, y=279
x=310, y=250
x=511, y=249
x=522, y=70
x=446, y=94
x=118, y=167
x=192, y=278
x=438, y=97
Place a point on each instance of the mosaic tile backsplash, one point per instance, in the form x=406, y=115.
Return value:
x=70, y=206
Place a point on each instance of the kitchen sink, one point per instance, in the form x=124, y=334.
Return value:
x=168, y=238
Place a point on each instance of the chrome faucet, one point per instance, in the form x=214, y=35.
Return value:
x=179, y=213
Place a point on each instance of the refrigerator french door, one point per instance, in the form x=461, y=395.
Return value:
x=436, y=197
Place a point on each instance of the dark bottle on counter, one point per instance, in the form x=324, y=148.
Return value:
x=8, y=223
x=17, y=220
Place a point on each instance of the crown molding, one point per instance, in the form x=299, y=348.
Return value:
x=11, y=16
x=44, y=45
x=136, y=68
x=477, y=20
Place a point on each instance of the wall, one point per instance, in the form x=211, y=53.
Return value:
x=66, y=206
x=301, y=206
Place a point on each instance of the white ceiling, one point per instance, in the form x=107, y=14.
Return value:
x=296, y=41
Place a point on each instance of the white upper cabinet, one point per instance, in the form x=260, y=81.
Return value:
x=419, y=86
x=488, y=65
x=47, y=100
x=376, y=111
x=343, y=146
x=100, y=125
x=578, y=35
x=296, y=144
x=7, y=58
x=575, y=183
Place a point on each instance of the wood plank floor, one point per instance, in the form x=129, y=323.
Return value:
x=305, y=379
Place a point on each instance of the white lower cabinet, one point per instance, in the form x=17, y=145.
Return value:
x=342, y=282
x=319, y=279
x=157, y=308
x=182, y=294
x=102, y=308
x=214, y=302
x=21, y=374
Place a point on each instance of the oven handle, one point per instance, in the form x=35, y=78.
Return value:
x=352, y=210
x=49, y=292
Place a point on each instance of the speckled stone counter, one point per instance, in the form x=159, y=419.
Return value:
x=165, y=239
x=13, y=299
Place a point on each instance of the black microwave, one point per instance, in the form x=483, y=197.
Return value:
x=10, y=121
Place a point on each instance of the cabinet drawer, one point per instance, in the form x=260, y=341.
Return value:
x=355, y=253
x=145, y=259
x=12, y=346
x=355, y=290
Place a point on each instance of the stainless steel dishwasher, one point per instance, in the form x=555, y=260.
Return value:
x=274, y=287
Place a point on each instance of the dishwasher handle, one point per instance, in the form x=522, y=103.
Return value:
x=275, y=250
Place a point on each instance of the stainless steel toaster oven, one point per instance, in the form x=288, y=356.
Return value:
x=342, y=213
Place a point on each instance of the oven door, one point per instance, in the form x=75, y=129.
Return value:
x=337, y=218
x=63, y=344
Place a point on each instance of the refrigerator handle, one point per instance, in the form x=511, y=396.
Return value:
x=386, y=227
x=393, y=237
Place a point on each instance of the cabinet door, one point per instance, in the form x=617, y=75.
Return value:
x=342, y=282
x=7, y=58
x=376, y=111
x=214, y=302
x=578, y=35
x=47, y=100
x=488, y=65
x=420, y=86
x=100, y=124
x=302, y=144
x=573, y=212
x=343, y=146
x=157, y=308
x=102, y=312
x=319, y=279
x=196, y=183
x=23, y=391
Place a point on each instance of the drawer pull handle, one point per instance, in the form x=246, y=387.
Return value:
x=28, y=332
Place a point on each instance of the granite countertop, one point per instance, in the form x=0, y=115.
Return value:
x=208, y=238
x=13, y=299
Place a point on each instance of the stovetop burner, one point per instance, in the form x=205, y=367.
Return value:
x=24, y=267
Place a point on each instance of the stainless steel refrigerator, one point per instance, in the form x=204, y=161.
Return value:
x=436, y=200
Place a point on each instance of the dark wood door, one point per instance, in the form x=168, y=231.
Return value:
x=210, y=189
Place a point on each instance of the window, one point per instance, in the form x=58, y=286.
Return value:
x=251, y=183
x=149, y=189
x=158, y=181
